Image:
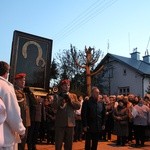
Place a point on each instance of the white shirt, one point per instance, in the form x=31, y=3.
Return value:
x=2, y=119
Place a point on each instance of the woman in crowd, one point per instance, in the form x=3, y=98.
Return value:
x=78, y=122
x=130, y=101
x=141, y=115
x=109, y=105
x=121, y=117
x=50, y=120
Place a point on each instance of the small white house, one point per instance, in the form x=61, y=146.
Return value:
x=122, y=75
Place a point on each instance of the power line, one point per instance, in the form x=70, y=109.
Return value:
x=92, y=11
x=82, y=15
x=85, y=19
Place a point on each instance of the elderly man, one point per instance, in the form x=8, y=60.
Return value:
x=13, y=125
x=93, y=119
x=65, y=104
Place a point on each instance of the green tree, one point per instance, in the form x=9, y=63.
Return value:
x=54, y=73
x=78, y=66
x=54, y=70
x=66, y=65
x=68, y=69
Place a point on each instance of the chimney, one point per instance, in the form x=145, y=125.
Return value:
x=146, y=58
x=135, y=55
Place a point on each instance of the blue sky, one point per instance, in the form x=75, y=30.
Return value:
x=124, y=23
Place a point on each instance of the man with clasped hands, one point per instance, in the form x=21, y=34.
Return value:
x=65, y=104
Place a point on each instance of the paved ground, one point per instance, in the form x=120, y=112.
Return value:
x=102, y=146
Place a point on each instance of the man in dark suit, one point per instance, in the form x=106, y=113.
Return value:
x=65, y=103
x=93, y=119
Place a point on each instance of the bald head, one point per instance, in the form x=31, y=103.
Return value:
x=95, y=93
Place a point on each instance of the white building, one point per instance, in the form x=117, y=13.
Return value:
x=122, y=75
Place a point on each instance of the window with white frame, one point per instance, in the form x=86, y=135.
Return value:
x=124, y=90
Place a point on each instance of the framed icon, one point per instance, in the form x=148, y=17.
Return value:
x=31, y=54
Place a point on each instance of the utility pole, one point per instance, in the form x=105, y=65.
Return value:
x=146, y=51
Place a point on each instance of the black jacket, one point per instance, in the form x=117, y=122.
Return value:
x=93, y=115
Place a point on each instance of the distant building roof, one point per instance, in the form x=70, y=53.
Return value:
x=138, y=65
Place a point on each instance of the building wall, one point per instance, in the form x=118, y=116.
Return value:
x=130, y=79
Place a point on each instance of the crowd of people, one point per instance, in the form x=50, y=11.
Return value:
x=128, y=117
x=101, y=116
x=64, y=118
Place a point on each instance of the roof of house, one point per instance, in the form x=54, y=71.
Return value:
x=138, y=65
